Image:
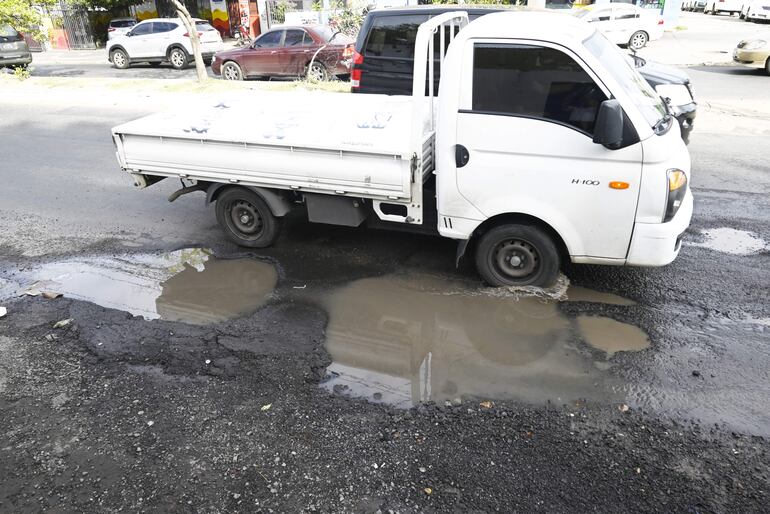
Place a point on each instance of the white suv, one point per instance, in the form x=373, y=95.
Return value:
x=162, y=39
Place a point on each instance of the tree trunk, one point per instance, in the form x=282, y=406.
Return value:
x=192, y=30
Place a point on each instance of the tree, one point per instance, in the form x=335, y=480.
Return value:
x=192, y=30
x=23, y=16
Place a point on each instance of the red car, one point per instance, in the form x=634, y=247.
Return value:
x=287, y=52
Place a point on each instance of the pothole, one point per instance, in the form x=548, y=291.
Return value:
x=404, y=340
x=189, y=285
x=732, y=241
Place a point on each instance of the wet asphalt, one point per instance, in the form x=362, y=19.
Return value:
x=113, y=411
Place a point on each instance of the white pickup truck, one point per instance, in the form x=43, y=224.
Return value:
x=543, y=144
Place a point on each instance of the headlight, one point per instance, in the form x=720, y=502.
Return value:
x=678, y=93
x=677, y=188
x=755, y=44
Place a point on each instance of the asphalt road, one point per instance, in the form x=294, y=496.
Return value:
x=115, y=411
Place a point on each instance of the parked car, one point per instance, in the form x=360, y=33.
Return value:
x=720, y=6
x=119, y=26
x=287, y=52
x=694, y=5
x=162, y=40
x=13, y=49
x=624, y=24
x=673, y=84
x=383, y=62
x=757, y=10
x=754, y=53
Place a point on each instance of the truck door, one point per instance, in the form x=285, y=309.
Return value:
x=525, y=124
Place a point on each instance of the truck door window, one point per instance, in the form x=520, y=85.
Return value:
x=534, y=82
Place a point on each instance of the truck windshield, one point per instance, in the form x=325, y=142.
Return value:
x=650, y=104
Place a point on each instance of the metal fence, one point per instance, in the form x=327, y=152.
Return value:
x=74, y=21
x=277, y=9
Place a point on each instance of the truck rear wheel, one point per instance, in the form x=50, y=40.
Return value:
x=517, y=255
x=246, y=218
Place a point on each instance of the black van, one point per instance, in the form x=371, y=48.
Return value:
x=383, y=62
x=384, y=59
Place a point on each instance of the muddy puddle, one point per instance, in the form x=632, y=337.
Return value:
x=403, y=340
x=732, y=241
x=188, y=285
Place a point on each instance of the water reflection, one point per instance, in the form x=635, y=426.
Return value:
x=409, y=339
x=189, y=285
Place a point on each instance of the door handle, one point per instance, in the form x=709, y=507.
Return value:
x=274, y=52
x=461, y=156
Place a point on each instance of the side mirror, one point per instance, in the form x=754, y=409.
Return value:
x=609, y=125
x=129, y=34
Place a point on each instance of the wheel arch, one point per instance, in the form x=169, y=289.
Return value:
x=278, y=205
x=467, y=246
x=176, y=45
x=113, y=48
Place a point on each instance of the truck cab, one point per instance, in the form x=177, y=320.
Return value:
x=524, y=140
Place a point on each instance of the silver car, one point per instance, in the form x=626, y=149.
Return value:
x=119, y=26
x=13, y=49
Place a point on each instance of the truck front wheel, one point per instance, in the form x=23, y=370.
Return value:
x=246, y=218
x=517, y=255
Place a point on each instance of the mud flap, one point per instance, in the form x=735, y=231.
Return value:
x=462, y=245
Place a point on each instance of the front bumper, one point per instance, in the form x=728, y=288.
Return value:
x=658, y=244
x=686, y=117
x=216, y=65
x=751, y=58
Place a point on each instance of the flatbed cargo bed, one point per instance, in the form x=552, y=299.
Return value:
x=309, y=141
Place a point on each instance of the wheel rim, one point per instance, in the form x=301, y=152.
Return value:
x=177, y=59
x=516, y=258
x=119, y=59
x=230, y=73
x=638, y=40
x=316, y=72
x=245, y=219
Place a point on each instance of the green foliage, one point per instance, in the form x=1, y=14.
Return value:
x=279, y=10
x=347, y=17
x=23, y=16
x=21, y=72
x=114, y=6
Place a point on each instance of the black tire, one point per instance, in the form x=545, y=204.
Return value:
x=246, y=218
x=537, y=258
x=120, y=59
x=767, y=66
x=316, y=71
x=231, y=71
x=638, y=40
x=178, y=58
